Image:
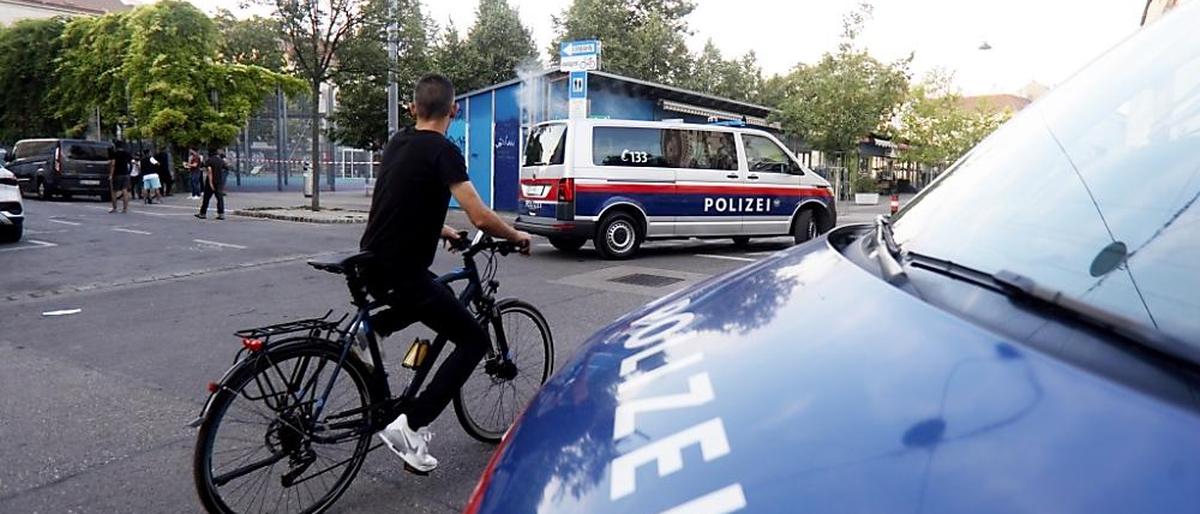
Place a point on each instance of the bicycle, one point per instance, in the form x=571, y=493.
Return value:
x=277, y=407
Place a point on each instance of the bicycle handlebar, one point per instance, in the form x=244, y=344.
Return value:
x=463, y=244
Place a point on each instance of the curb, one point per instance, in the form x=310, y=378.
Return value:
x=263, y=213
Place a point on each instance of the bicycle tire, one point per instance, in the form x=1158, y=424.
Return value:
x=232, y=389
x=492, y=430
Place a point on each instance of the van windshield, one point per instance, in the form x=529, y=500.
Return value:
x=87, y=152
x=547, y=145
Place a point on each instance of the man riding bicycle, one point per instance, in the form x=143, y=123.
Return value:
x=421, y=169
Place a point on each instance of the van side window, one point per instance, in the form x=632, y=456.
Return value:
x=663, y=148
x=764, y=156
x=547, y=145
x=628, y=146
x=26, y=149
x=86, y=152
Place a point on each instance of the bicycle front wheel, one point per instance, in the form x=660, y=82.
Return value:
x=263, y=447
x=492, y=398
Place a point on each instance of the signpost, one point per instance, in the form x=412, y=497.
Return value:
x=578, y=58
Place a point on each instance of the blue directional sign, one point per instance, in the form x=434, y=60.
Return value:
x=577, y=85
x=579, y=55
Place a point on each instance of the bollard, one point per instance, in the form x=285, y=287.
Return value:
x=895, y=203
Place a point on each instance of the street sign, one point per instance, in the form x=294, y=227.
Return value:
x=578, y=84
x=579, y=55
x=577, y=103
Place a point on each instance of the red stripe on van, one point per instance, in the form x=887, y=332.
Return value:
x=697, y=189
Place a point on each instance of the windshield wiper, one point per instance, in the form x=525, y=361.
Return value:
x=887, y=251
x=1020, y=288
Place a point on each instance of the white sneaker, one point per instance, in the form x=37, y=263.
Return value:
x=411, y=445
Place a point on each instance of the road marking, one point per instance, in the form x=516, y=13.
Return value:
x=131, y=231
x=214, y=243
x=760, y=254
x=725, y=257
x=38, y=244
x=64, y=222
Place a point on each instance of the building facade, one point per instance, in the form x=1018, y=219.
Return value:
x=16, y=10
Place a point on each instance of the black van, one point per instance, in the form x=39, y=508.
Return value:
x=48, y=167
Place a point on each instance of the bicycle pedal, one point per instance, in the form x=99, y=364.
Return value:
x=416, y=471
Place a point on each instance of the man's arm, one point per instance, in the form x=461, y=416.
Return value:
x=484, y=218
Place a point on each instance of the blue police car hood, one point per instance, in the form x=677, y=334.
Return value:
x=804, y=383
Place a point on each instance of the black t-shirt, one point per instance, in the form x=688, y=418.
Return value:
x=122, y=159
x=217, y=165
x=411, y=196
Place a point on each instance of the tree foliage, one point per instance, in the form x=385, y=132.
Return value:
x=27, y=50
x=496, y=44
x=644, y=39
x=157, y=72
x=845, y=95
x=936, y=126
x=360, y=119
x=255, y=40
x=740, y=79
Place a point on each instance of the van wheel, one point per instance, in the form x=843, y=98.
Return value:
x=741, y=241
x=805, y=226
x=105, y=197
x=618, y=237
x=567, y=244
x=43, y=192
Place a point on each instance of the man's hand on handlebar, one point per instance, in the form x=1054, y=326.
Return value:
x=523, y=240
x=452, y=238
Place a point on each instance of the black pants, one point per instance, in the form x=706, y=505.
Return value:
x=419, y=299
x=208, y=193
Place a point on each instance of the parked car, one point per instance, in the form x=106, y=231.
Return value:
x=12, y=211
x=619, y=183
x=49, y=167
x=1022, y=337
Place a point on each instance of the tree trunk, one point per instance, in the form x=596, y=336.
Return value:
x=315, y=104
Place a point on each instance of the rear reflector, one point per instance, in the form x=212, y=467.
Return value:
x=566, y=190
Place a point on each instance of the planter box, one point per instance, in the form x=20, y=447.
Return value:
x=866, y=198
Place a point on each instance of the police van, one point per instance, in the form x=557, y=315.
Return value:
x=619, y=183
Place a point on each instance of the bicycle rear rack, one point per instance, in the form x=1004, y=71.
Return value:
x=314, y=326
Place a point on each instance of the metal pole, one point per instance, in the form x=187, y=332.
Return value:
x=278, y=139
x=284, y=143
x=393, y=92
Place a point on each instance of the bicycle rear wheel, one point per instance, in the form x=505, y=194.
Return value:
x=259, y=447
x=490, y=401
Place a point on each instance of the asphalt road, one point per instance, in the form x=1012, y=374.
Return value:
x=93, y=404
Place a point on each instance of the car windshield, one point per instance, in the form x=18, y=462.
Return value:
x=1092, y=190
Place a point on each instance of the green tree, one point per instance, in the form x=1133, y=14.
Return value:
x=254, y=40
x=645, y=39
x=496, y=44
x=360, y=119
x=451, y=57
x=90, y=77
x=936, y=126
x=314, y=31
x=27, y=52
x=845, y=96
x=740, y=79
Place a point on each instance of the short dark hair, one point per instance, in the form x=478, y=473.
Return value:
x=433, y=96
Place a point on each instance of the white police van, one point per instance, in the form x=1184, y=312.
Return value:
x=620, y=182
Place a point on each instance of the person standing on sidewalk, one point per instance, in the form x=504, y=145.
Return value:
x=165, y=173
x=214, y=185
x=195, y=165
x=118, y=176
x=150, y=177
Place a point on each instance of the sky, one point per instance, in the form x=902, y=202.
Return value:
x=1031, y=40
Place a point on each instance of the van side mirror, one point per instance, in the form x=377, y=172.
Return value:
x=8, y=157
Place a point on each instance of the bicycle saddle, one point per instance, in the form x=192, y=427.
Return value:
x=341, y=265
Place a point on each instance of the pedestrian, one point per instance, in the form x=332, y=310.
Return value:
x=150, y=177
x=135, y=176
x=118, y=176
x=195, y=165
x=214, y=185
x=165, y=172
